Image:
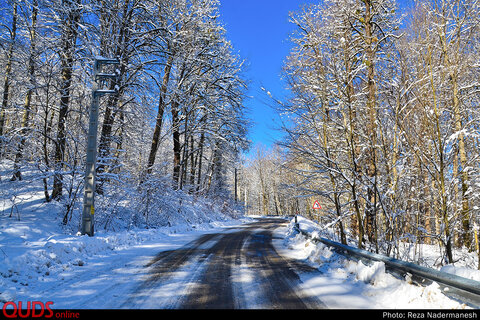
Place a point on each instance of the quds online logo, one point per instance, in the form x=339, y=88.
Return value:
x=32, y=309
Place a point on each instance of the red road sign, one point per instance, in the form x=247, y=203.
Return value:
x=317, y=205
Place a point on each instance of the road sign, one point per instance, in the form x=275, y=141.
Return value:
x=316, y=205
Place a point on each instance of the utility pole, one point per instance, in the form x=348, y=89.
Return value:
x=99, y=79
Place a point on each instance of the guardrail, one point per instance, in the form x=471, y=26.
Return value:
x=403, y=267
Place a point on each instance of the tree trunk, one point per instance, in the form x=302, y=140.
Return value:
x=119, y=48
x=8, y=71
x=161, y=109
x=200, y=160
x=28, y=98
x=441, y=173
x=69, y=37
x=176, y=145
x=371, y=207
x=184, y=160
x=193, y=164
x=453, y=77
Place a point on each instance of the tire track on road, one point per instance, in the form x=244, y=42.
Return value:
x=226, y=271
x=215, y=288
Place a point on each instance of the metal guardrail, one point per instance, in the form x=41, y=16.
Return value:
x=472, y=287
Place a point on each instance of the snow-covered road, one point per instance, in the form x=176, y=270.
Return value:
x=254, y=264
x=239, y=268
x=231, y=267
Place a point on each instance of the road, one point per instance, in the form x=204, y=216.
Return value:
x=239, y=268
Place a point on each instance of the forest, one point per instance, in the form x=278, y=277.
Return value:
x=173, y=128
x=381, y=125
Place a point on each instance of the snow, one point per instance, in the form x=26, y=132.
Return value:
x=42, y=260
x=462, y=272
x=353, y=284
x=74, y=271
x=102, y=271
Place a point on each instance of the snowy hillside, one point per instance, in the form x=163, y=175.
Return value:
x=38, y=251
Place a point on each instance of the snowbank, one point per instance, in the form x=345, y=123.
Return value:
x=465, y=272
x=425, y=255
x=38, y=250
x=29, y=266
x=357, y=285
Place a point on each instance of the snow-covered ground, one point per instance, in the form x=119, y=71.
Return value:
x=354, y=284
x=40, y=263
x=42, y=260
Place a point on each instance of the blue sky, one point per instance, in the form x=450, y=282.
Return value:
x=259, y=31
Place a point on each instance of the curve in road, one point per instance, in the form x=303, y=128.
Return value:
x=233, y=270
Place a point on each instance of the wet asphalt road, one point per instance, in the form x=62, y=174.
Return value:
x=233, y=270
